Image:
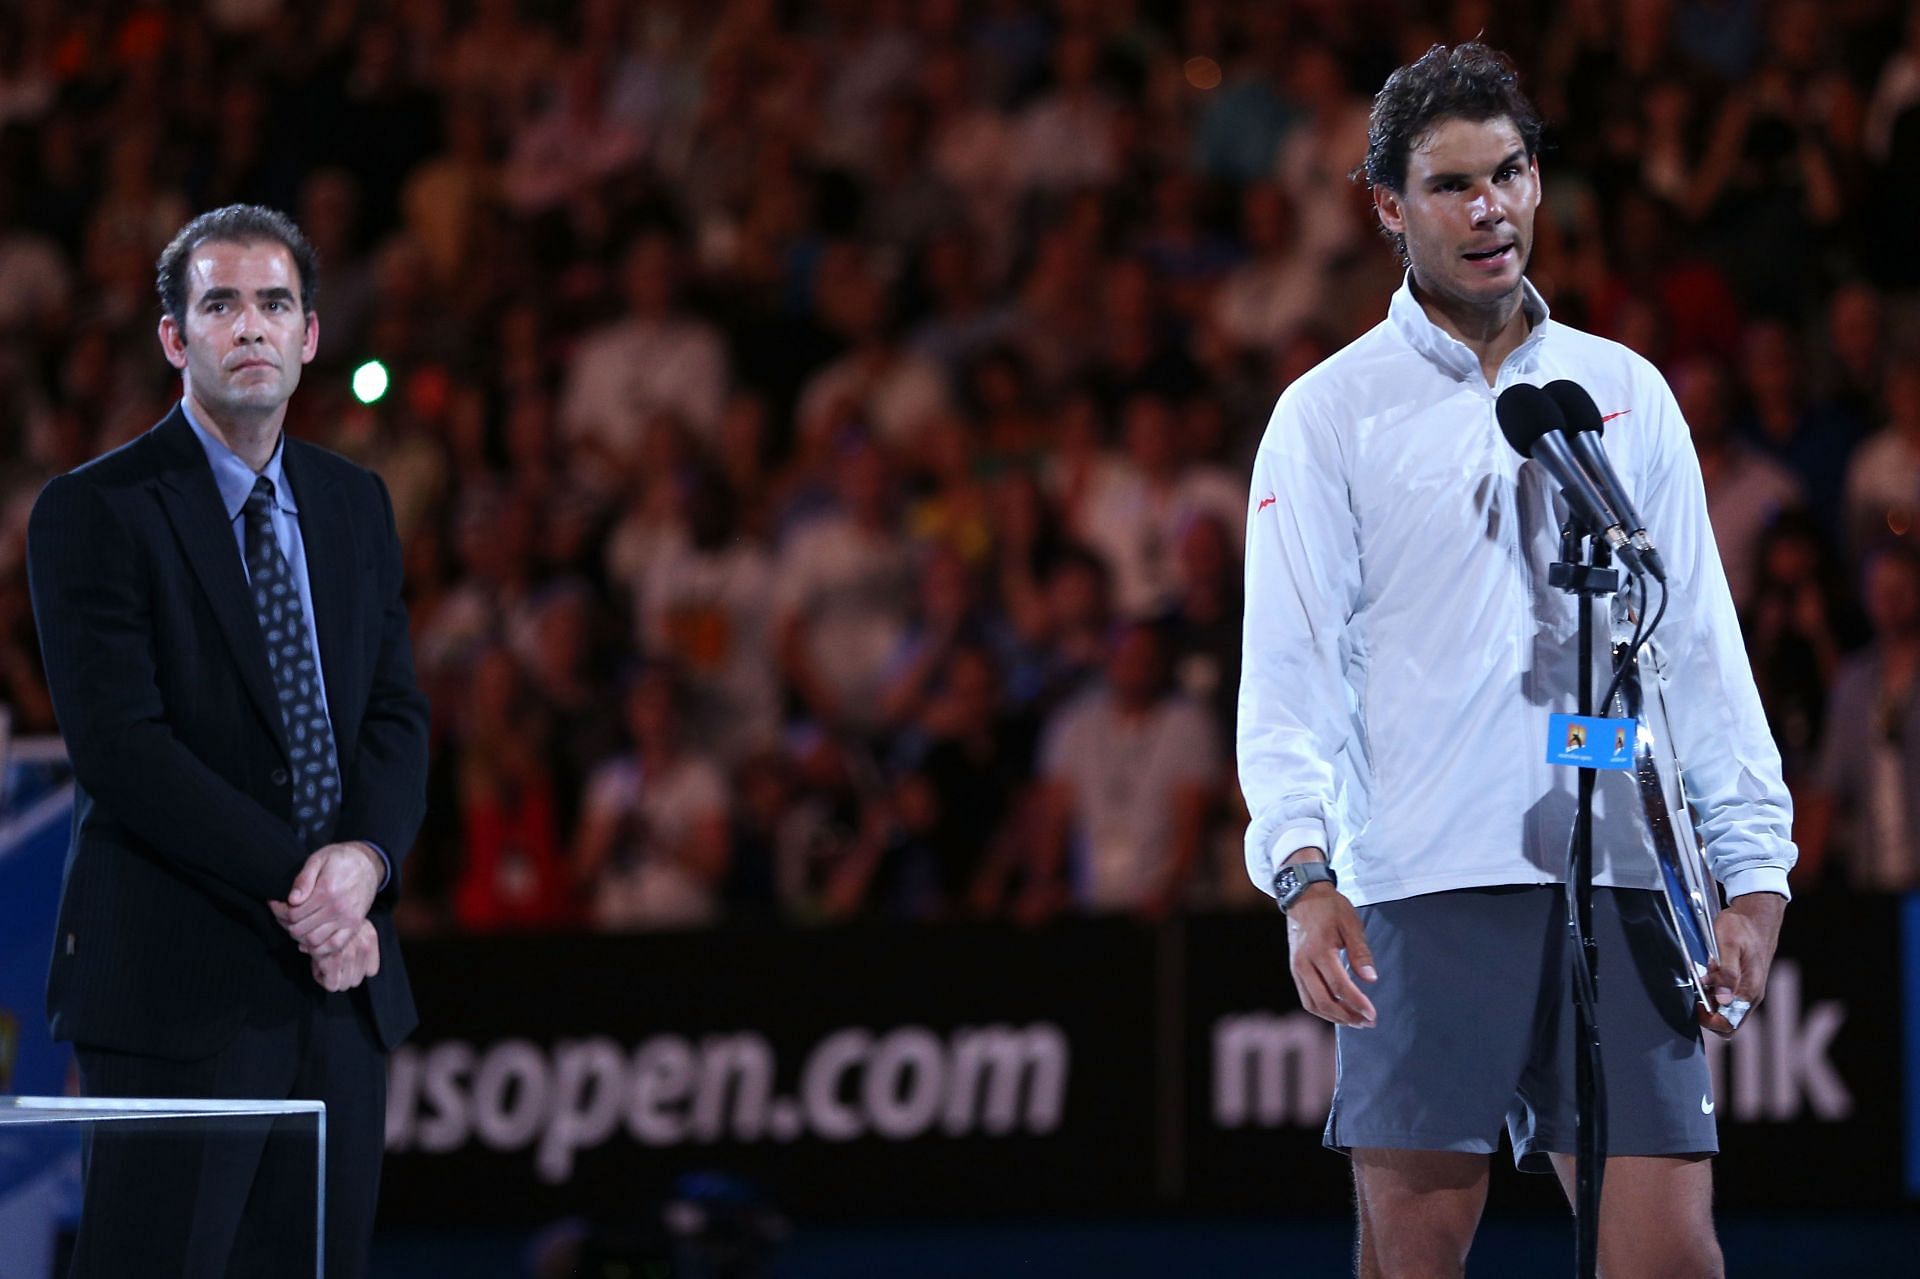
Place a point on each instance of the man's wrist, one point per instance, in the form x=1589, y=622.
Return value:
x=1762, y=902
x=382, y=867
x=1296, y=877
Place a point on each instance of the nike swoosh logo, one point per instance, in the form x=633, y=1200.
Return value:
x=1265, y=502
x=1706, y=1107
x=1610, y=416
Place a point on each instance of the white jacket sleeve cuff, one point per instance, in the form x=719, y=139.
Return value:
x=1758, y=879
x=1265, y=855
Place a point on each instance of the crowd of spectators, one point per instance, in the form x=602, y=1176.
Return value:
x=819, y=430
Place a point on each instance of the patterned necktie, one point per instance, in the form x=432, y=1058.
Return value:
x=296, y=676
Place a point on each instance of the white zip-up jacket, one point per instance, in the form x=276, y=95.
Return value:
x=1403, y=649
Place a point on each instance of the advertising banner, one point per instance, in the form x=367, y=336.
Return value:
x=1090, y=1066
x=850, y=1072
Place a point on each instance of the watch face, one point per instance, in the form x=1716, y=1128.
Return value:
x=1288, y=881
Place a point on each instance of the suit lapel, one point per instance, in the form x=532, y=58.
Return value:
x=193, y=506
x=326, y=528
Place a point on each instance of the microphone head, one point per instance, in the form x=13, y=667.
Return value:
x=1576, y=406
x=1526, y=413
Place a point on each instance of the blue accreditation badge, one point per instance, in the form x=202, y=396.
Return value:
x=1587, y=741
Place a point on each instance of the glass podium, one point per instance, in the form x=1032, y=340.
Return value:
x=20, y=1115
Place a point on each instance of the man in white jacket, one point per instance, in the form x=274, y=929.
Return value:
x=1403, y=652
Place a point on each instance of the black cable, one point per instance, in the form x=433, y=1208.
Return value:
x=1642, y=633
x=1657, y=615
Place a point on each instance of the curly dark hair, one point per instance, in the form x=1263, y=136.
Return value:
x=234, y=224
x=1469, y=81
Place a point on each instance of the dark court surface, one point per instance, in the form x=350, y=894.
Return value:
x=1773, y=1248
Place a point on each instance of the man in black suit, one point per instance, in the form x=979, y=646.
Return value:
x=220, y=611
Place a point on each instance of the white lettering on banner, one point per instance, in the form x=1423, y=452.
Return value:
x=1781, y=1066
x=820, y=1084
x=746, y=1063
x=1272, y=1070
x=906, y=1083
x=510, y=1094
x=664, y=1073
x=447, y=1067
x=991, y=1063
x=589, y=1075
x=896, y=1085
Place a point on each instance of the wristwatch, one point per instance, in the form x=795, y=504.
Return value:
x=1297, y=877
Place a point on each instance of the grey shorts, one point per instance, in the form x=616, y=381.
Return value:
x=1476, y=1021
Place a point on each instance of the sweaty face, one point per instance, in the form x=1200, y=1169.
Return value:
x=246, y=336
x=1466, y=211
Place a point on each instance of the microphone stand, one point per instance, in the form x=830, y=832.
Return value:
x=1585, y=580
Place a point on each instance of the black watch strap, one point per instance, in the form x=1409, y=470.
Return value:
x=1297, y=877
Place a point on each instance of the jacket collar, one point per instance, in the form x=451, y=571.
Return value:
x=1447, y=352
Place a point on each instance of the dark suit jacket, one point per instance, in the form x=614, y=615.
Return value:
x=182, y=829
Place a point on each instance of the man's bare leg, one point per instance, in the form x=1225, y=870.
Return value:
x=1417, y=1210
x=1656, y=1217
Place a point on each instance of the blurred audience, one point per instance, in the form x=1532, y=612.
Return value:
x=512, y=873
x=1883, y=480
x=1865, y=813
x=843, y=591
x=1746, y=489
x=652, y=846
x=852, y=371
x=1799, y=625
x=1127, y=772
x=653, y=361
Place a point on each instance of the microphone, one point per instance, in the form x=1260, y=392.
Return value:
x=1585, y=427
x=1535, y=427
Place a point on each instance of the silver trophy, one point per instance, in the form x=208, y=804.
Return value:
x=1692, y=896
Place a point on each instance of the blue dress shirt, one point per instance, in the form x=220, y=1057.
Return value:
x=234, y=478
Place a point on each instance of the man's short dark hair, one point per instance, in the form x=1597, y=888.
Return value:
x=234, y=224
x=1469, y=81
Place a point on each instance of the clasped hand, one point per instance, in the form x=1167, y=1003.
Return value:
x=326, y=913
x=1748, y=931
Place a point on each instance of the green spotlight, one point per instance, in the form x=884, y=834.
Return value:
x=370, y=382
